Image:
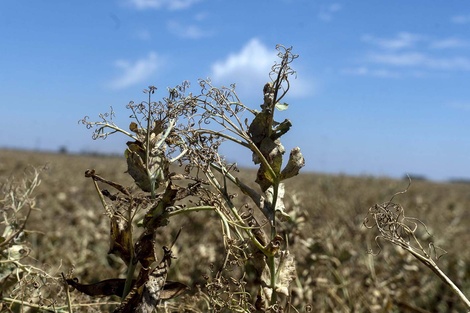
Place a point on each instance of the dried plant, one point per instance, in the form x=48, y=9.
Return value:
x=186, y=130
x=403, y=231
x=19, y=279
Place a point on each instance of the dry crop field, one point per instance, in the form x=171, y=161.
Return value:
x=68, y=233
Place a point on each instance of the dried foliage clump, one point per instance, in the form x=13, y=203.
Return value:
x=186, y=130
x=336, y=274
x=403, y=231
x=21, y=281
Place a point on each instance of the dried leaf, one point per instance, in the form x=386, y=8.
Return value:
x=159, y=168
x=281, y=129
x=133, y=127
x=147, y=292
x=158, y=165
x=286, y=272
x=136, y=168
x=259, y=128
x=121, y=237
x=295, y=163
x=108, y=287
x=145, y=248
x=156, y=216
x=173, y=289
x=115, y=287
x=280, y=207
x=17, y=252
x=272, y=150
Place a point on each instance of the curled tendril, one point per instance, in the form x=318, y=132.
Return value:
x=280, y=72
x=394, y=226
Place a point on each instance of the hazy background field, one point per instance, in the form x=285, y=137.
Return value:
x=70, y=234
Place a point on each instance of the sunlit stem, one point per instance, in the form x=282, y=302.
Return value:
x=115, y=129
x=129, y=276
x=132, y=262
x=433, y=266
x=147, y=147
x=192, y=209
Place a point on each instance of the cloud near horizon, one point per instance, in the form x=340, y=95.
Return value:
x=136, y=72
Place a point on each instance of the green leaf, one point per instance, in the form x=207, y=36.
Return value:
x=282, y=106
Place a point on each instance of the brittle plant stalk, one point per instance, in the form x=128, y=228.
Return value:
x=400, y=230
x=160, y=140
x=429, y=262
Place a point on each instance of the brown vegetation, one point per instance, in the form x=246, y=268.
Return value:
x=336, y=274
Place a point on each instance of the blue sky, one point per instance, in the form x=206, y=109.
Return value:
x=382, y=86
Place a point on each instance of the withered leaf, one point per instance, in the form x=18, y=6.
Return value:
x=173, y=289
x=281, y=129
x=145, y=249
x=280, y=207
x=115, y=287
x=156, y=215
x=295, y=163
x=259, y=127
x=285, y=275
x=133, y=127
x=120, y=237
x=158, y=165
x=107, y=287
x=136, y=166
x=149, y=290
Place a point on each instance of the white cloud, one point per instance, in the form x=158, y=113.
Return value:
x=417, y=59
x=366, y=71
x=460, y=19
x=449, y=43
x=409, y=54
x=326, y=12
x=136, y=72
x=461, y=106
x=406, y=40
x=398, y=59
x=143, y=34
x=249, y=69
x=159, y=4
x=201, y=16
x=401, y=41
x=187, y=31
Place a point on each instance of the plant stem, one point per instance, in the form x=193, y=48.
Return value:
x=132, y=261
x=433, y=266
x=192, y=209
x=28, y=304
x=272, y=270
x=271, y=259
x=129, y=276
